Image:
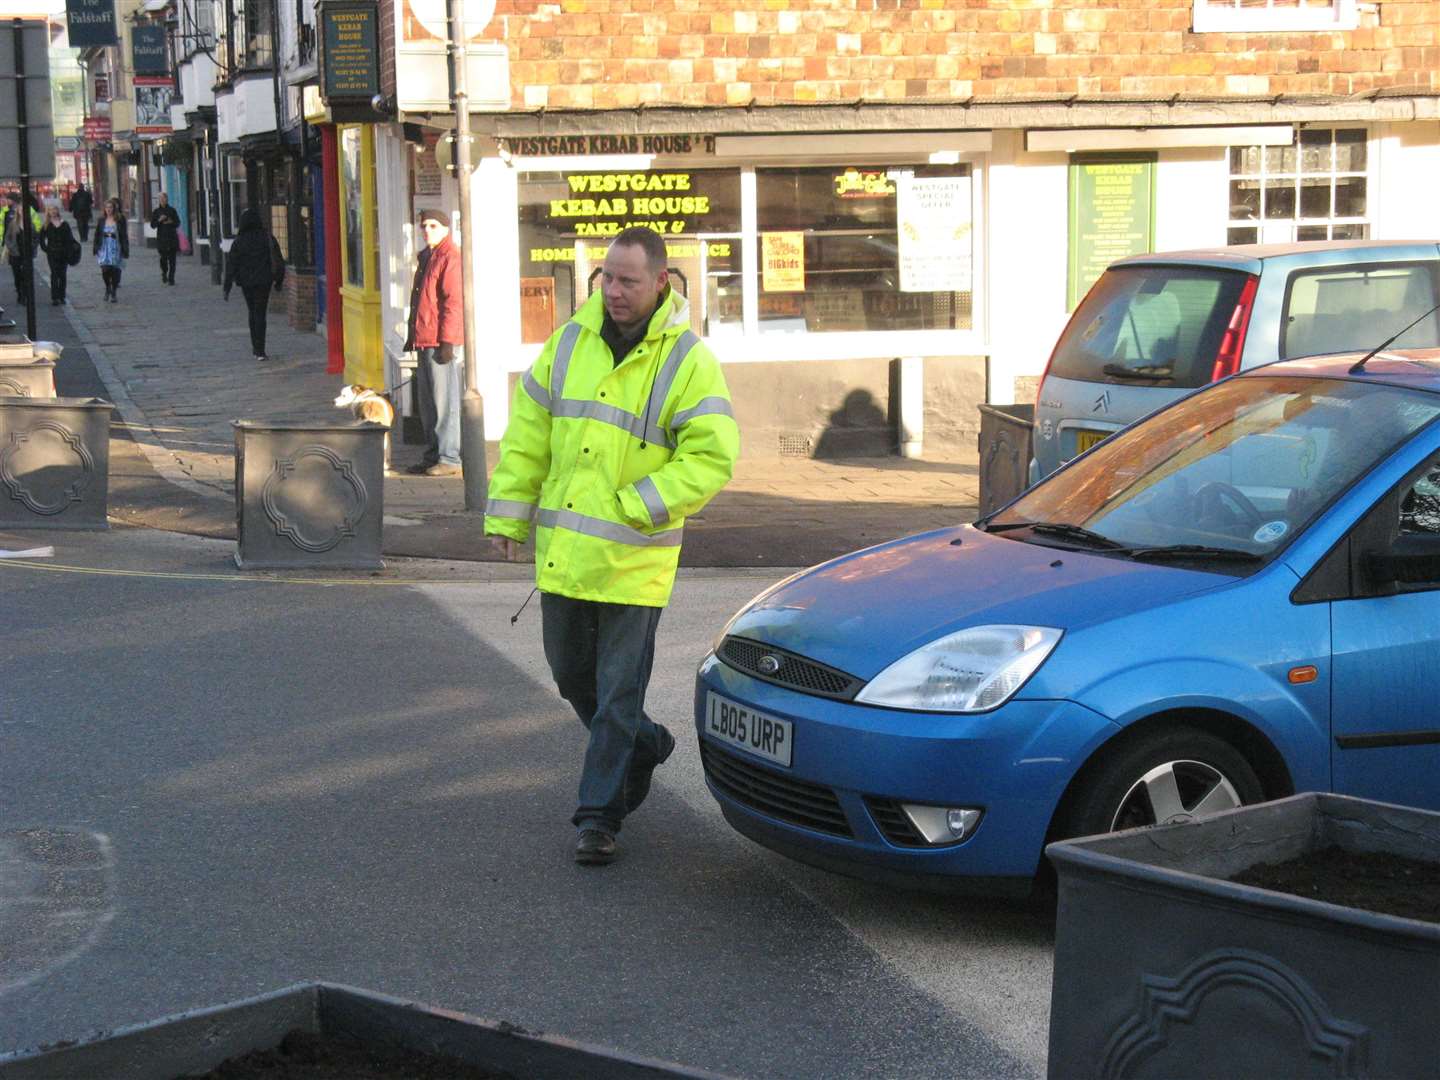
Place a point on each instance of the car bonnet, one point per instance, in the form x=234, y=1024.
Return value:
x=862, y=612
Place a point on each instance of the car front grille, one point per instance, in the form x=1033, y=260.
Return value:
x=774, y=794
x=894, y=823
x=791, y=670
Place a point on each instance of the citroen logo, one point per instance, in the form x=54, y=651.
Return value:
x=1102, y=403
x=769, y=665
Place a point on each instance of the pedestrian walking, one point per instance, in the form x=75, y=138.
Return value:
x=165, y=220
x=111, y=247
x=437, y=332
x=58, y=243
x=82, y=203
x=255, y=262
x=619, y=431
x=12, y=229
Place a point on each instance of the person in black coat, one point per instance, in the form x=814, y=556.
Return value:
x=57, y=241
x=165, y=220
x=256, y=264
x=81, y=205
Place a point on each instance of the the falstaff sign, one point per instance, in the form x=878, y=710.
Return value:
x=147, y=49
x=91, y=22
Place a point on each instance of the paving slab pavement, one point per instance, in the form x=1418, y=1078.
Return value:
x=176, y=361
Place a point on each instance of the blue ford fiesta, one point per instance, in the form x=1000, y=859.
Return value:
x=1233, y=600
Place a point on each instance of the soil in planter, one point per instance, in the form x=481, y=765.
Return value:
x=1373, y=881
x=305, y=1056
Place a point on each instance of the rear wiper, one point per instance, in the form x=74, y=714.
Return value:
x=1194, y=551
x=1155, y=372
x=1061, y=529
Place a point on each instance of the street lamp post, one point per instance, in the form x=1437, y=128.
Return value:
x=472, y=405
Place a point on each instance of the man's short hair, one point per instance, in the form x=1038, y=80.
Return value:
x=645, y=237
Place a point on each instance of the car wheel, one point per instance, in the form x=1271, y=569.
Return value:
x=1162, y=777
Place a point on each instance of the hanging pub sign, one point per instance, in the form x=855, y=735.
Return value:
x=349, y=50
x=153, y=94
x=148, y=55
x=91, y=22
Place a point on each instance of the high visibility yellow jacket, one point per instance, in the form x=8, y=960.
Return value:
x=607, y=460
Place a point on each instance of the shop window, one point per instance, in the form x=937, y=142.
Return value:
x=1317, y=188
x=854, y=248
x=236, y=191
x=567, y=220
x=351, y=188
x=1274, y=16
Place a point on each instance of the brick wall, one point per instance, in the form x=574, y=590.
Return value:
x=605, y=54
x=300, y=299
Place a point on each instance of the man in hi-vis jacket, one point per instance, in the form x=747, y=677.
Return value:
x=620, y=429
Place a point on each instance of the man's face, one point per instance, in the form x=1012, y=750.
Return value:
x=434, y=231
x=164, y=199
x=629, y=285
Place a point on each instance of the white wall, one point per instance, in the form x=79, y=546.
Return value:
x=1027, y=222
x=494, y=195
x=1402, y=197
x=1192, y=198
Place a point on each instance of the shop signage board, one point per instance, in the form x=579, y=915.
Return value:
x=96, y=129
x=90, y=23
x=428, y=174
x=153, y=94
x=1112, y=214
x=933, y=214
x=581, y=145
x=147, y=49
x=783, y=262
x=350, y=50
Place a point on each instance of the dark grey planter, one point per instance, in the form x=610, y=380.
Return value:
x=196, y=1042
x=309, y=496
x=34, y=379
x=1006, y=436
x=1163, y=968
x=54, y=462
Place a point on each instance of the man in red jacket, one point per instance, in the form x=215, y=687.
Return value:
x=437, y=333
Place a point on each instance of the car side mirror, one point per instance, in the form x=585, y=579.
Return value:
x=1412, y=558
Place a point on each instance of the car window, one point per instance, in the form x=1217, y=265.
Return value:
x=1420, y=506
x=1161, y=321
x=1245, y=465
x=1345, y=309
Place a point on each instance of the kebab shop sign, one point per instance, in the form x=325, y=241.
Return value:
x=601, y=204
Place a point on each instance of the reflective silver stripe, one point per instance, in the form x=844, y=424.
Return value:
x=510, y=508
x=650, y=495
x=710, y=406
x=575, y=409
x=607, y=530
x=561, y=362
x=660, y=390
x=536, y=391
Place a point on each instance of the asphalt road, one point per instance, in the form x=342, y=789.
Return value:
x=214, y=785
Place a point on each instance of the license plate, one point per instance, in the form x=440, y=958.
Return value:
x=1084, y=440
x=757, y=733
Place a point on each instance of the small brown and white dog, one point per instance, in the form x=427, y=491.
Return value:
x=366, y=404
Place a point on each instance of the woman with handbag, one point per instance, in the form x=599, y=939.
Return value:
x=58, y=243
x=111, y=248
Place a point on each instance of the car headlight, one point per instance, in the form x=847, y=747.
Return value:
x=969, y=671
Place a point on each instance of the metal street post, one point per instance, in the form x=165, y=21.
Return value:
x=472, y=405
x=27, y=235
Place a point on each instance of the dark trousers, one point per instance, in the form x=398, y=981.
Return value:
x=57, y=281
x=257, y=300
x=20, y=267
x=111, y=276
x=600, y=656
x=84, y=224
x=167, y=266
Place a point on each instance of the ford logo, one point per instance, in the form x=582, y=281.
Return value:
x=769, y=665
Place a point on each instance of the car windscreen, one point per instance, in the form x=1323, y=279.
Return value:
x=1149, y=326
x=1240, y=468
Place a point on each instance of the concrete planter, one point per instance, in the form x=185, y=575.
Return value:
x=16, y=347
x=195, y=1042
x=1006, y=435
x=1163, y=967
x=34, y=379
x=54, y=462
x=309, y=496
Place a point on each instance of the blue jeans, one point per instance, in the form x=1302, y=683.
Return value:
x=600, y=656
x=437, y=395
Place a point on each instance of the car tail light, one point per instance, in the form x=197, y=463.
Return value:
x=1227, y=357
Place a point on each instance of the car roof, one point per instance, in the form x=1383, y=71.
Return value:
x=1252, y=257
x=1416, y=369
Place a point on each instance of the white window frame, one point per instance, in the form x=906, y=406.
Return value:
x=1334, y=174
x=1276, y=16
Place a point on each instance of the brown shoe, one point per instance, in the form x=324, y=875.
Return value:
x=594, y=848
x=441, y=468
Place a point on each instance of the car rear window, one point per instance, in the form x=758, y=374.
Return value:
x=1355, y=308
x=1149, y=326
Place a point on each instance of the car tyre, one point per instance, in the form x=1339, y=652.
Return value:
x=1159, y=777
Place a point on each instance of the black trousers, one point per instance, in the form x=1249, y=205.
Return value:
x=111, y=276
x=257, y=300
x=20, y=267
x=84, y=224
x=57, y=281
x=167, y=265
